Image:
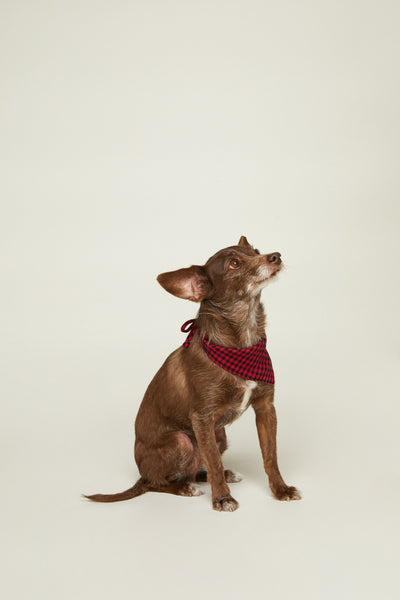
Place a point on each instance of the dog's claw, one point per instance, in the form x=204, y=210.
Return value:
x=225, y=504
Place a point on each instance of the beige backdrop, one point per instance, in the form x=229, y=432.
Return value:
x=142, y=136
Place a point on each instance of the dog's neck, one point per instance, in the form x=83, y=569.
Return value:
x=237, y=324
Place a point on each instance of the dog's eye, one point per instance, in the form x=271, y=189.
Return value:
x=234, y=263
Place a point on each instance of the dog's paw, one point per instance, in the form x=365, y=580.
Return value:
x=225, y=504
x=191, y=489
x=287, y=493
x=232, y=476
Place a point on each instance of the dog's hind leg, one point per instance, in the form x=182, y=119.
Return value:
x=222, y=440
x=170, y=467
x=230, y=476
x=179, y=488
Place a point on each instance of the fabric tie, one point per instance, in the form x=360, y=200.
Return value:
x=253, y=362
x=188, y=327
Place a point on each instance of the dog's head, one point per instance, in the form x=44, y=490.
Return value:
x=232, y=273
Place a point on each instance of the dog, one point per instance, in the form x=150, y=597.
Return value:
x=222, y=368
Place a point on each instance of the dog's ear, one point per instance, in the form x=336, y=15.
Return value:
x=190, y=284
x=243, y=242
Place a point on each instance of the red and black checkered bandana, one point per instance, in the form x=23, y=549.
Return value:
x=251, y=363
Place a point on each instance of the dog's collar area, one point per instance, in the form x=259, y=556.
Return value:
x=252, y=363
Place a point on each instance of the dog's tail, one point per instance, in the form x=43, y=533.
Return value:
x=138, y=489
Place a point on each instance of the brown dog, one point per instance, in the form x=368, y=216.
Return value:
x=180, y=426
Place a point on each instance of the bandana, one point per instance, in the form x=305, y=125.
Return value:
x=252, y=363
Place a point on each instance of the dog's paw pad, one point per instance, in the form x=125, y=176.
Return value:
x=225, y=504
x=233, y=476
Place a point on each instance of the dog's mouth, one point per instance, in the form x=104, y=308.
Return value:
x=276, y=268
x=275, y=273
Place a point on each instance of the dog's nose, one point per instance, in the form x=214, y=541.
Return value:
x=275, y=257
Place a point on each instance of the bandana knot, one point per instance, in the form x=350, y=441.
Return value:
x=252, y=363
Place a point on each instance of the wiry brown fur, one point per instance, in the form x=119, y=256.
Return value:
x=180, y=426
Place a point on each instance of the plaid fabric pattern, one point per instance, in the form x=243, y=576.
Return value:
x=251, y=363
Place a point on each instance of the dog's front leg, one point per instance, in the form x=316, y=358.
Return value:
x=204, y=430
x=266, y=428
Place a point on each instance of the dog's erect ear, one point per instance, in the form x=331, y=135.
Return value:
x=243, y=242
x=189, y=284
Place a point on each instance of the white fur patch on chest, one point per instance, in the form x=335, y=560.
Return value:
x=250, y=385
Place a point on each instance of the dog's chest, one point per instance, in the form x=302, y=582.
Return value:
x=250, y=386
x=236, y=403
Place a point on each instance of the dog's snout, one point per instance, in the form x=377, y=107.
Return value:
x=275, y=258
